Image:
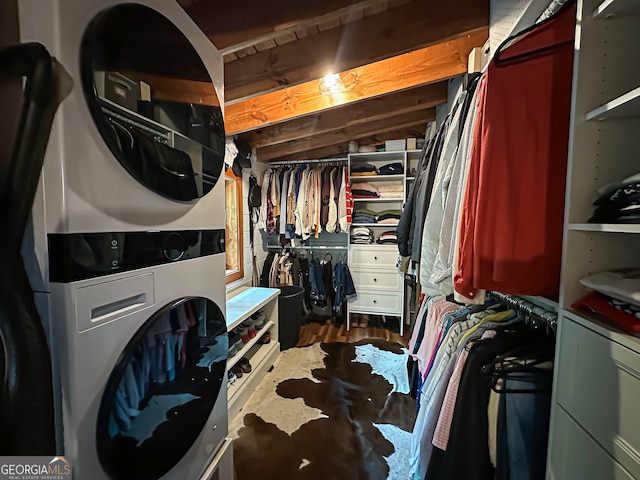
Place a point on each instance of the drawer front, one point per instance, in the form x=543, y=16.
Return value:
x=374, y=301
x=372, y=256
x=599, y=386
x=574, y=455
x=365, y=278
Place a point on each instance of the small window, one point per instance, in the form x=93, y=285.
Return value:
x=233, y=230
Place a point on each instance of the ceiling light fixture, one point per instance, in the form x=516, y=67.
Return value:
x=331, y=84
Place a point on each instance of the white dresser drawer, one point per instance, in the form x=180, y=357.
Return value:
x=574, y=455
x=366, y=278
x=599, y=386
x=373, y=255
x=377, y=301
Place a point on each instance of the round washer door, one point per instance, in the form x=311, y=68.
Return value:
x=153, y=101
x=162, y=390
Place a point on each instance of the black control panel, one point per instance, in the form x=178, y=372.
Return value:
x=78, y=256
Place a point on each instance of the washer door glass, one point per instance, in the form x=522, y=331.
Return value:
x=153, y=101
x=161, y=393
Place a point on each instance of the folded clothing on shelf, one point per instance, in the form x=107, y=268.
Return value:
x=363, y=174
x=361, y=235
x=394, y=168
x=362, y=167
x=391, y=187
x=389, y=214
x=362, y=218
x=388, y=221
x=364, y=188
x=388, y=237
x=618, y=202
x=625, y=315
x=623, y=285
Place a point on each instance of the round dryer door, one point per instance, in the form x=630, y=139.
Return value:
x=162, y=391
x=153, y=101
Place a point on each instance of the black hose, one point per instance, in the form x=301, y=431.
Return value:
x=26, y=388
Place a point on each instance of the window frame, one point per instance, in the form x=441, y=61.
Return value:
x=235, y=275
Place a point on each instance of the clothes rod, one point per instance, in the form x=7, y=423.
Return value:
x=343, y=160
x=550, y=319
x=307, y=247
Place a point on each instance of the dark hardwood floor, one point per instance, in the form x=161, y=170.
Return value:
x=319, y=332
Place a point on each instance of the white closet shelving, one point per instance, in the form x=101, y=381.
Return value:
x=379, y=285
x=241, y=304
x=595, y=419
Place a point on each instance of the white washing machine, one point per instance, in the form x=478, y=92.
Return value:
x=128, y=240
x=138, y=144
x=142, y=358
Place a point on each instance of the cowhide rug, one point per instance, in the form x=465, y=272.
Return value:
x=329, y=411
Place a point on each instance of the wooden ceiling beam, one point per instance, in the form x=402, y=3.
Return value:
x=342, y=149
x=373, y=38
x=345, y=135
x=244, y=24
x=405, y=101
x=421, y=67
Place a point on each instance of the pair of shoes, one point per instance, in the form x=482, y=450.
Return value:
x=244, y=364
x=364, y=320
x=266, y=338
x=231, y=378
x=237, y=370
x=355, y=320
x=235, y=344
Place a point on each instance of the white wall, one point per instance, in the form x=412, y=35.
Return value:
x=258, y=169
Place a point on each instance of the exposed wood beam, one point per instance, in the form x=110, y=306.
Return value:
x=344, y=135
x=384, y=35
x=243, y=24
x=421, y=67
x=405, y=101
x=177, y=89
x=342, y=149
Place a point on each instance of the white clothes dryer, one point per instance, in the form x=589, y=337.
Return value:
x=138, y=144
x=140, y=354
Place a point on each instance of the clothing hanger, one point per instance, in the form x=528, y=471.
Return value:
x=500, y=62
x=523, y=363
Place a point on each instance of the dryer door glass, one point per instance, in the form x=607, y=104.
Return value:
x=162, y=391
x=153, y=101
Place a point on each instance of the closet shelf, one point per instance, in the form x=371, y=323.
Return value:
x=377, y=156
x=376, y=178
x=241, y=306
x=601, y=325
x=309, y=247
x=233, y=360
x=378, y=199
x=612, y=8
x=410, y=178
x=625, y=106
x=605, y=227
x=390, y=225
x=263, y=356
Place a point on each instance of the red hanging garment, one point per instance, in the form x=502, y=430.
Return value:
x=512, y=217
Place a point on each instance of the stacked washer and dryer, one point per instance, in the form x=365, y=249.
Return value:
x=127, y=245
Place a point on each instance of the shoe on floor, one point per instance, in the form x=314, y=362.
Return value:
x=364, y=320
x=266, y=338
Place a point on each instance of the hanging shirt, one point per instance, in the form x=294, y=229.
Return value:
x=512, y=217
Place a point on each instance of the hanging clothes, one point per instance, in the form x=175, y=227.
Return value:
x=303, y=201
x=458, y=433
x=512, y=217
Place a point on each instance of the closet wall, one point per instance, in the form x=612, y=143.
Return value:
x=261, y=253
